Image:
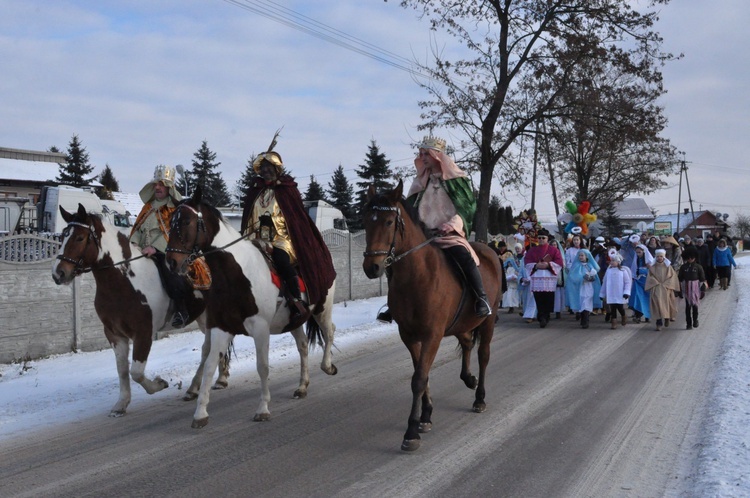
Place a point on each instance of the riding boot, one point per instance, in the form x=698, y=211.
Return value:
x=385, y=316
x=299, y=312
x=473, y=278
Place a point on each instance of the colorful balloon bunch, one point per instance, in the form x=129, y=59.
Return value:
x=577, y=218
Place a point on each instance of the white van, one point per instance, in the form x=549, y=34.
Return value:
x=48, y=209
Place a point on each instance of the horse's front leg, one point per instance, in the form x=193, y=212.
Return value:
x=422, y=356
x=219, y=342
x=195, y=384
x=121, y=348
x=261, y=336
x=304, y=374
x=467, y=344
x=141, y=350
x=486, y=331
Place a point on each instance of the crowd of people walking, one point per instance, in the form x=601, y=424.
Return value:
x=651, y=275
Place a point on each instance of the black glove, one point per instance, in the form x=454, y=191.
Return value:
x=679, y=294
x=626, y=296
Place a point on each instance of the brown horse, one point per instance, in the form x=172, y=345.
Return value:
x=427, y=299
x=130, y=299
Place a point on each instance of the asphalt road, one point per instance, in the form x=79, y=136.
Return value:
x=570, y=412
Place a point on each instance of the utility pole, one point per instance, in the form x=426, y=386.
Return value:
x=679, y=198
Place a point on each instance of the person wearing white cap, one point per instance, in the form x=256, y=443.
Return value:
x=662, y=283
x=616, y=288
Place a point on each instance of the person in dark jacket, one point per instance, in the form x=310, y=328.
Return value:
x=692, y=285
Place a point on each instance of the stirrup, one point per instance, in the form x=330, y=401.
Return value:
x=385, y=316
x=482, y=307
x=179, y=320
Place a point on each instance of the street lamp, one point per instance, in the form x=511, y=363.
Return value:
x=181, y=170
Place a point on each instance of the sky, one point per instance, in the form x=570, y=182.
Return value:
x=145, y=83
x=30, y=392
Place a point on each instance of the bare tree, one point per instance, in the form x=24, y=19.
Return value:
x=606, y=144
x=518, y=57
x=741, y=226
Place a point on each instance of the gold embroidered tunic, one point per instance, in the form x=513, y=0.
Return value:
x=272, y=227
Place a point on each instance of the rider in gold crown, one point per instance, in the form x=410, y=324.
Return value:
x=275, y=216
x=444, y=199
x=151, y=229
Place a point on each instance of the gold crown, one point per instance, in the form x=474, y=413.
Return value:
x=431, y=142
x=270, y=156
x=165, y=174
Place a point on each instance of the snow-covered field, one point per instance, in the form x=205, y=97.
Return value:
x=66, y=387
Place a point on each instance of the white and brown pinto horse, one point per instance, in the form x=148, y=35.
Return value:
x=130, y=299
x=242, y=299
x=427, y=299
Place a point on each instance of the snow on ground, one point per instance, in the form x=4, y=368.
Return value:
x=77, y=385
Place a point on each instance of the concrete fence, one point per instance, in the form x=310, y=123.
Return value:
x=39, y=318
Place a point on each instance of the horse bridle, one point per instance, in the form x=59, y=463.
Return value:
x=79, y=268
x=390, y=255
x=196, y=251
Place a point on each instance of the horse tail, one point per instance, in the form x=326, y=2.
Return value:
x=475, y=339
x=314, y=333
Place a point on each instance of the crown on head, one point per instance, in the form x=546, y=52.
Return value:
x=434, y=143
x=165, y=174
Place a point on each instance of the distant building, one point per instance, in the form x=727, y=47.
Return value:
x=23, y=173
x=700, y=225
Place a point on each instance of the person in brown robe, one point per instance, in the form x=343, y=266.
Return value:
x=663, y=284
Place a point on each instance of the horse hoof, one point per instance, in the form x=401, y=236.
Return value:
x=300, y=394
x=332, y=370
x=117, y=413
x=410, y=444
x=163, y=384
x=190, y=396
x=219, y=385
x=425, y=427
x=199, y=423
x=262, y=417
x=479, y=407
x=471, y=382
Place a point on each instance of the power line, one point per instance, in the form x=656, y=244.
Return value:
x=288, y=17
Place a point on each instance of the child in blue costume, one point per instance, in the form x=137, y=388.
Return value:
x=585, y=285
x=639, y=297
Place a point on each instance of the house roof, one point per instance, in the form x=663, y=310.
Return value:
x=132, y=202
x=29, y=171
x=685, y=220
x=633, y=208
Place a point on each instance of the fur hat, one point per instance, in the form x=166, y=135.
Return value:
x=660, y=251
x=634, y=239
x=690, y=252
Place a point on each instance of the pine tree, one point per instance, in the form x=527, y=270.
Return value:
x=610, y=220
x=246, y=179
x=314, y=191
x=109, y=183
x=493, y=223
x=508, y=221
x=341, y=195
x=204, y=174
x=76, y=169
x=376, y=171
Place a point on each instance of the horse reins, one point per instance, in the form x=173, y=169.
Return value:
x=79, y=267
x=390, y=255
x=196, y=252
